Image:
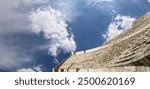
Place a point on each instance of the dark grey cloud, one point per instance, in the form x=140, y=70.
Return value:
x=15, y=35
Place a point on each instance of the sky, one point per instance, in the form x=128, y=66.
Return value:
x=36, y=35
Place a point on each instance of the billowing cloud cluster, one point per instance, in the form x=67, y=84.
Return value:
x=118, y=25
x=14, y=22
x=52, y=24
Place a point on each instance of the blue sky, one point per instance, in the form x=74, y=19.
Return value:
x=35, y=35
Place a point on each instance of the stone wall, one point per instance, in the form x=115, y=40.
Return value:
x=110, y=69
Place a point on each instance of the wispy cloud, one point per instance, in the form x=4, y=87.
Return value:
x=107, y=6
x=33, y=69
x=69, y=8
x=118, y=25
x=98, y=3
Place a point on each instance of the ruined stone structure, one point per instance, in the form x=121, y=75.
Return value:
x=127, y=52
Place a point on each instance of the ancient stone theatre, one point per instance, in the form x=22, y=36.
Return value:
x=127, y=52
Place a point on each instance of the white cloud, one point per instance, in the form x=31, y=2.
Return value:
x=33, y=69
x=119, y=24
x=148, y=0
x=26, y=70
x=54, y=27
